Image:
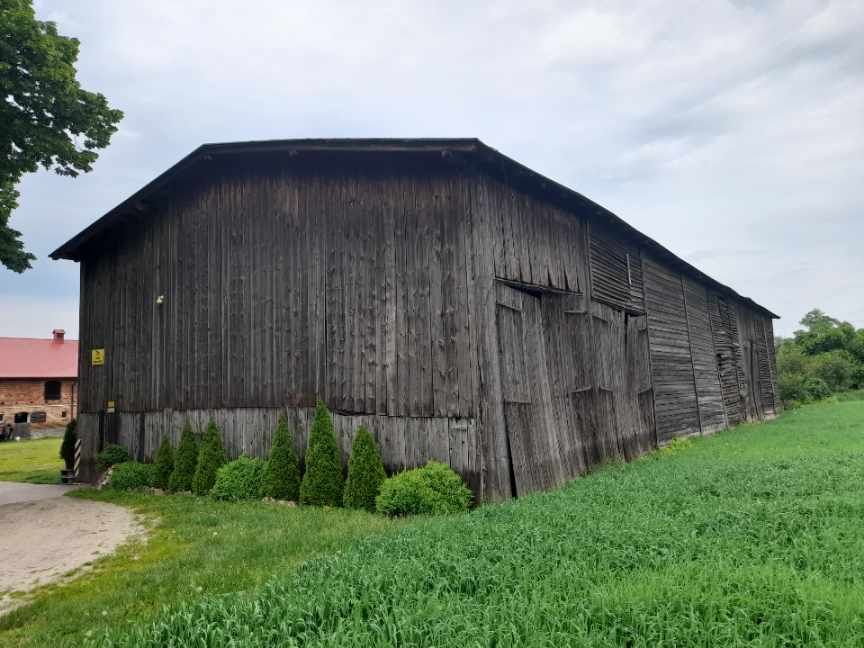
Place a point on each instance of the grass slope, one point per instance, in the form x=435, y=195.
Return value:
x=752, y=537
x=36, y=461
x=198, y=547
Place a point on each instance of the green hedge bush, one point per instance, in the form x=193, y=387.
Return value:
x=322, y=483
x=211, y=457
x=185, y=460
x=365, y=473
x=432, y=489
x=281, y=478
x=164, y=464
x=239, y=480
x=131, y=475
x=111, y=454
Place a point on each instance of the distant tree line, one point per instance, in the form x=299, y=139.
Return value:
x=824, y=357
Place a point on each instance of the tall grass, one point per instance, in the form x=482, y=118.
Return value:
x=752, y=537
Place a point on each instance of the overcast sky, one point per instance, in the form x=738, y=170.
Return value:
x=731, y=132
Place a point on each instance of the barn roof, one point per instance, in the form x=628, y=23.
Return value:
x=38, y=358
x=469, y=149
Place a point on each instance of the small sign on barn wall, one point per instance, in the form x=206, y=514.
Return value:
x=97, y=357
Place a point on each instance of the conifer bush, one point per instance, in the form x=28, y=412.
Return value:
x=238, y=480
x=185, y=461
x=365, y=473
x=322, y=483
x=281, y=478
x=211, y=457
x=67, y=448
x=164, y=464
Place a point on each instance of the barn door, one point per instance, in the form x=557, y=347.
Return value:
x=535, y=456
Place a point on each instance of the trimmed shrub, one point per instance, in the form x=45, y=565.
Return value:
x=164, y=464
x=281, y=478
x=239, y=480
x=434, y=489
x=111, y=454
x=67, y=448
x=211, y=457
x=131, y=475
x=405, y=494
x=185, y=460
x=365, y=473
x=322, y=483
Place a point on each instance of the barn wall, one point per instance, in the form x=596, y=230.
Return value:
x=405, y=442
x=285, y=287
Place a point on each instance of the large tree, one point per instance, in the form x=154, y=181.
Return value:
x=46, y=118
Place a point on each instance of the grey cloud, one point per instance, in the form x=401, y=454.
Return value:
x=730, y=130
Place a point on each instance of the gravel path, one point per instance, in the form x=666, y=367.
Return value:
x=44, y=535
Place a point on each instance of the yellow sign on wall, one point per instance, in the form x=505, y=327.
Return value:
x=97, y=357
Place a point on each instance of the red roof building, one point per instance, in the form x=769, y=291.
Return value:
x=38, y=381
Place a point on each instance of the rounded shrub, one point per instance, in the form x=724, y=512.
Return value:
x=67, y=448
x=322, y=482
x=211, y=456
x=185, y=460
x=405, y=494
x=281, y=478
x=365, y=473
x=433, y=489
x=131, y=475
x=238, y=480
x=111, y=454
x=164, y=464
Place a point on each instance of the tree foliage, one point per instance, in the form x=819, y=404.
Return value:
x=322, y=482
x=211, y=457
x=46, y=118
x=824, y=357
x=185, y=460
x=281, y=478
x=365, y=472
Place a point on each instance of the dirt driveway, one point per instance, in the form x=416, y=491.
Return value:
x=45, y=535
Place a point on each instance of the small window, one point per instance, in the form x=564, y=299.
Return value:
x=21, y=417
x=38, y=417
x=52, y=390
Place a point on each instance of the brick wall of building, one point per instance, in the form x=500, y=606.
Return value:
x=29, y=396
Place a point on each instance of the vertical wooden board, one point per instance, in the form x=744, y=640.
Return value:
x=440, y=320
x=398, y=443
x=491, y=448
x=439, y=441
x=391, y=331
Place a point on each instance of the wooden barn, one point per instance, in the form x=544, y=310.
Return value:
x=460, y=305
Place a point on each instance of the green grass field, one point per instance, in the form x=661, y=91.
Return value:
x=752, y=537
x=196, y=548
x=36, y=461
